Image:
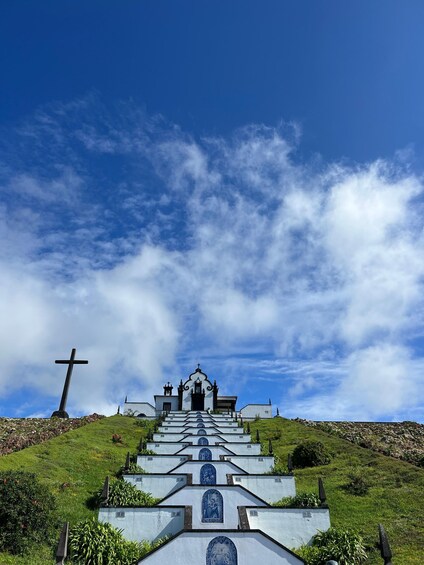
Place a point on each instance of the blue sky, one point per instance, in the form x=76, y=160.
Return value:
x=232, y=183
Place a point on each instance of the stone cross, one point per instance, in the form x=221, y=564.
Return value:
x=61, y=413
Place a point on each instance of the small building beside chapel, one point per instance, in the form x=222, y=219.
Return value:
x=198, y=393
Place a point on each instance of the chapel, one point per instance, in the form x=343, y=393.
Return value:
x=215, y=486
x=196, y=393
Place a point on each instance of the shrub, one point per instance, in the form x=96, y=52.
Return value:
x=310, y=454
x=122, y=493
x=358, y=483
x=147, y=452
x=27, y=511
x=344, y=546
x=278, y=469
x=142, y=423
x=132, y=469
x=300, y=500
x=97, y=543
x=116, y=438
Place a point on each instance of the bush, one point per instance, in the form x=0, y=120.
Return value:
x=301, y=500
x=27, y=511
x=116, y=438
x=142, y=423
x=97, y=543
x=344, y=546
x=122, y=493
x=278, y=469
x=358, y=483
x=310, y=454
x=147, y=452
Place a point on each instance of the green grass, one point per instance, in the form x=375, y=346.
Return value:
x=395, y=499
x=75, y=464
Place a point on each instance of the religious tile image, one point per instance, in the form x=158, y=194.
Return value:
x=221, y=551
x=212, y=506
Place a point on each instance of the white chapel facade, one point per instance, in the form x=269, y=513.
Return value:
x=197, y=393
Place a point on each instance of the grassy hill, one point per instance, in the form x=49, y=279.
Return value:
x=73, y=466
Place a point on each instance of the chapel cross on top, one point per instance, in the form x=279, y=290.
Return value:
x=61, y=413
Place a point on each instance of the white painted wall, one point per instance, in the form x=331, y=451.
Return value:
x=189, y=548
x=137, y=408
x=205, y=383
x=213, y=439
x=268, y=487
x=252, y=411
x=158, y=486
x=159, y=463
x=291, y=527
x=168, y=429
x=179, y=429
x=216, y=451
x=252, y=464
x=244, y=448
x=236, y=437
x=222, y=469
x=167, y=437
x=233, y=496
x=161, y=398
x=165, y=448
x=193, y=431
x=144, y=523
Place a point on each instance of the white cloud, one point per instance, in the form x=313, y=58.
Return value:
x=237, y=248
x=381, y=379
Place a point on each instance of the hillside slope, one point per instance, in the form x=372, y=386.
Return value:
x=75, y=464
x=395, y=498
x=19, y=433
x=403, y=440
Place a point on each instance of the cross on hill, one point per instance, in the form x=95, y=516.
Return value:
x=61, y=413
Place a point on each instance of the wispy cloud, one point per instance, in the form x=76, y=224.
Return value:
x=146, y=247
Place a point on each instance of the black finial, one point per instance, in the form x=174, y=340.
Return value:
x=269, y=402
x=321, y=492
x=105, y=491
x=127, y=461
x=248, y=428
x=289, y=463
x=386, y=552
x=278, y=412
x=62, y=548
x=258, y=439
x=270, y=447
x=126, y=399
x=119, y=410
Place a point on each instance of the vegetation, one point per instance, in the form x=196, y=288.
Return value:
x=27, y=511
x=122, y=493
x=18, y=433
x=300, y=500
x=96, y=543
x=344, y=546
x=358, y=483
x=311, y=454
x=403, y=440
x=394, y=497
x=73, y=465
x=132, y=469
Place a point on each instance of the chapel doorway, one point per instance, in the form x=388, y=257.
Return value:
x=198, y=401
